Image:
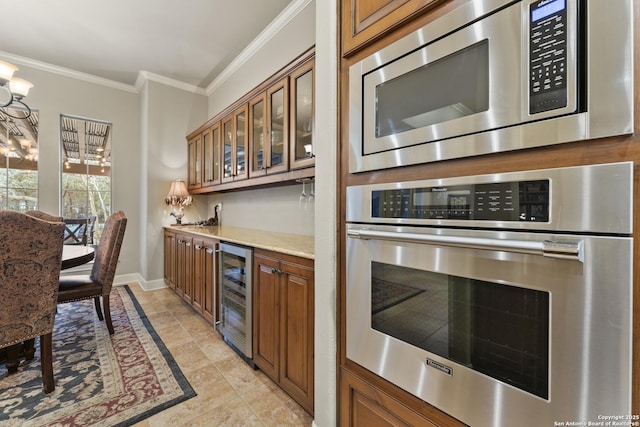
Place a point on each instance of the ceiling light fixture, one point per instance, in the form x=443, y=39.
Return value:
x=17, y=89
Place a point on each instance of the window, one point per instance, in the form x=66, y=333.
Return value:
x=18, y=160
x=86, y=170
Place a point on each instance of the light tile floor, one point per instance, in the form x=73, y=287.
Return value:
x=230, y=393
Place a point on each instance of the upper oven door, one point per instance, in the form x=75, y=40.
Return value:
x=491, y=325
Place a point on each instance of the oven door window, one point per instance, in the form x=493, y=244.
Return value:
x=499, y=330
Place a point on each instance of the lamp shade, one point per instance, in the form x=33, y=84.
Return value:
x=20, y=87
x=6, y=72
x=178, y=188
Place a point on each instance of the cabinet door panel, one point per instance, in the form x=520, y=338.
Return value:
x=197, y=289
x=366, y=20
x=266, y=316
x=302, y=117
x=296, y=326
x=189, y=272
x=228, y=149
x=241, y=146
x=278, y=122
x=211, y=155
x=194, y=162
x=209, y=272
x=257, y=136
x=183, y=264
x=170, y=259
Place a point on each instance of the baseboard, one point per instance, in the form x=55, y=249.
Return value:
x=125, y=279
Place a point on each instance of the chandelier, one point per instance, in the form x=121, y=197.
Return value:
x=17, y=89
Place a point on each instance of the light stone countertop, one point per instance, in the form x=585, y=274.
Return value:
x=291, y=244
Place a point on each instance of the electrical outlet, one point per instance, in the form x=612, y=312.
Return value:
x=219, y=207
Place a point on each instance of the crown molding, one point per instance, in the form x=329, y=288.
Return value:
x=258, y=43
x=144, y=76
x=290, y=12
x=43, y=66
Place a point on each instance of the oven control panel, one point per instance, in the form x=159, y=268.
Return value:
x=503, y=201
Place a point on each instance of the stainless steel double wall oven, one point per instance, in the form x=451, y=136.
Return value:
x=501, y=299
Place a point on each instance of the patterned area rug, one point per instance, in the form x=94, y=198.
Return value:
x=101, y=380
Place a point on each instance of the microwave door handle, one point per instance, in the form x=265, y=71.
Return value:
x=549, y=248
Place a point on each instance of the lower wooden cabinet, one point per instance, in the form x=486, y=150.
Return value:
x=190, y=267
x=364, y=405
x=283, y=326
x=170, y=259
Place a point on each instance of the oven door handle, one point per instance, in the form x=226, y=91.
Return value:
x=573, y=250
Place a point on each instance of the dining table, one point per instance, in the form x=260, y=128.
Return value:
x=76, y=255
x=72, y=256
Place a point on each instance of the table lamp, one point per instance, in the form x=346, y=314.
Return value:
x=178, y=197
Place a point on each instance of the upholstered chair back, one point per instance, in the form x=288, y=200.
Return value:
x=44, y=216
x=108, y=251
x=30, y=259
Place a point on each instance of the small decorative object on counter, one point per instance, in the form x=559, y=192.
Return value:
x=178, y=198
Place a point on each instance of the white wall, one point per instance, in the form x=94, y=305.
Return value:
x=166, y=115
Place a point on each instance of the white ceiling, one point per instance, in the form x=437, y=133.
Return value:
x=191, y=41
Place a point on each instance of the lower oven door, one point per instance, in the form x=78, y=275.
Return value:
x=494, y=327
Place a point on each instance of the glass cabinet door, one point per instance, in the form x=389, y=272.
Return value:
x=277, y=111
x=211, y=155
x=257, y=131
x=228, y=149
x=302, y=116
x=240, y=118
x=194, y=162
x=215, y=144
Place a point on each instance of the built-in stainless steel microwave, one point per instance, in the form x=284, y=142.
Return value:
x=491, y=76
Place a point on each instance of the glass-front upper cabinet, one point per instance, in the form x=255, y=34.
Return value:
x=194, y=162
x=228, y=149
x=302, y=116
x=241, y=149
x=257, y=136
x=211, y=155
x=277, y=128
x=234, y=145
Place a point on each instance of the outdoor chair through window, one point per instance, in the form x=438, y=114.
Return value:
x=79, y=231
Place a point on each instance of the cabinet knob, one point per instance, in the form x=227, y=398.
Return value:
x=198, y=247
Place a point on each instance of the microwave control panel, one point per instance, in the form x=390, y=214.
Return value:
x=547, y=55
x=504, y=201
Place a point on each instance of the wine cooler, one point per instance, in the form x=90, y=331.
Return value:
x=235, y=298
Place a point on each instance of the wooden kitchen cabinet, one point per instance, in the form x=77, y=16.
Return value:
x=189, y=269
x=170, y=259
x=234, y=145
x=204, y=266
x=364, y=21
x=364, y=405
x=268, y=130
x=184, y=266
x=283, y=325
x=264, y=137
x=302, y=103
x=194, y=162
x=211, y=166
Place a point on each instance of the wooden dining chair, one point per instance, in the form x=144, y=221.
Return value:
x=30, y=257
x=98, y=283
